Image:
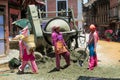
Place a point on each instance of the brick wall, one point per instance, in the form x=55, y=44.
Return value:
x=73, y=4
x=51, y=5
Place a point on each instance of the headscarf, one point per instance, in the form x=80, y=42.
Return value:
x=54, y=28
x=23, y=33
x=92, y=27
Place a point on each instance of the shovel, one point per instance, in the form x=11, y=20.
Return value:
x=83, y=56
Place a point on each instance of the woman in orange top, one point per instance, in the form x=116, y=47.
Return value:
x=92, y=44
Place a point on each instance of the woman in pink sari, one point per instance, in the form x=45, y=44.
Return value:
x=92, y=44
x=26, y=54
x=60, y=47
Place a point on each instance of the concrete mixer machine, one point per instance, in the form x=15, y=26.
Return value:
x=42, y=27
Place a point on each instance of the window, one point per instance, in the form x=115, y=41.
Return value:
x=2, y=45
x=2, y=36
x=42, y=8
x=61, y=6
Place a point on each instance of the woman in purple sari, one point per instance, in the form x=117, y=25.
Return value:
x=60, y=47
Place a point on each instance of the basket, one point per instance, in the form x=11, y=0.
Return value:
x=30, y=41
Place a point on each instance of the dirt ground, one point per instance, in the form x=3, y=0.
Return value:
x=107, y=69
x=109, y=53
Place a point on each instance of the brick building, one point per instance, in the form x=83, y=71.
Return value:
x=59, y=5
x=12, y=10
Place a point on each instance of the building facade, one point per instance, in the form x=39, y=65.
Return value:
x=104, y=13
x=12, y=10
x=118, y=24
x=97, y=12
x=4, y=32
x=14, y=13
x=114, y=16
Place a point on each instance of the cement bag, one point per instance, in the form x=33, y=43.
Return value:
x=30, y=42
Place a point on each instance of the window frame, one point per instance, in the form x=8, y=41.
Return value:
x=57, y=6
x=2, y=13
